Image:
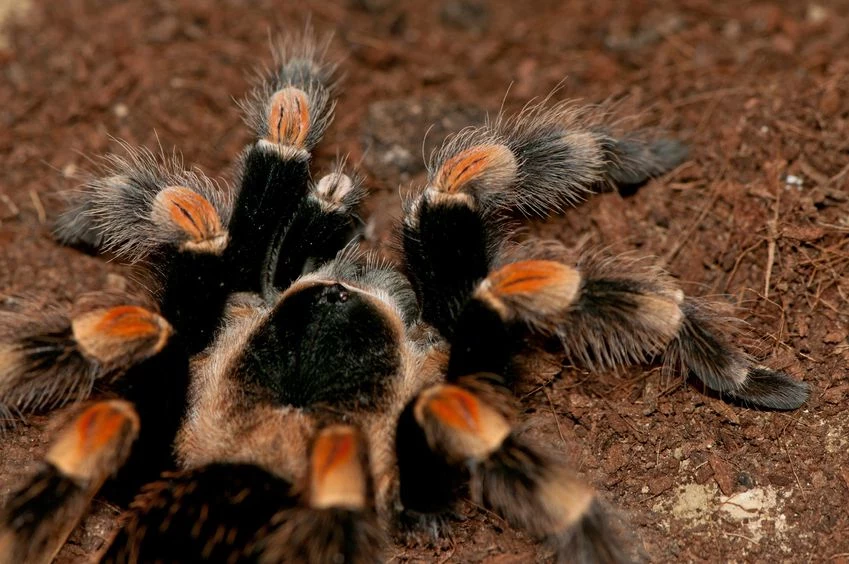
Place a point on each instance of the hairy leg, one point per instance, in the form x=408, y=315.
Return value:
x=37, y=519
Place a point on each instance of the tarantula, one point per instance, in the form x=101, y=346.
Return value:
x=280, y=396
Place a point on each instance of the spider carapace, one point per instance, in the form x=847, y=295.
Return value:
x=282, y=397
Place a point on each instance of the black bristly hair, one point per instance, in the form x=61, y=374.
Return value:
x=323, y=223
x=703, y=349
x=271, y=191
x=158, y=389
x=31, y=512
x=483, y=342
x=634, y=160
x=213, y=513
x=39, y=516
x=447, y=249
x=429, y=485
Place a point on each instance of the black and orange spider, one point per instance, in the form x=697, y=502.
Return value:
x=282, y=397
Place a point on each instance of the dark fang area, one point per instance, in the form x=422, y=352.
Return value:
x=324, y=344
x=446, y=256
x=213, y=514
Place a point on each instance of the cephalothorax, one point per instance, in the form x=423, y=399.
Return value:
x=284, y=397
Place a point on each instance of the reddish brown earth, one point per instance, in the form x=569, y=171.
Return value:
x=759, y=214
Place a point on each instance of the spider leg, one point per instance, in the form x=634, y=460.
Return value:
x=610, y=312
x=321, y=227
x=204, y=242
x=206, y=513
x=52, y=358
x=140, y=202
x=337, y=523
x=607, y=313
x=48, y=358
x=289, y=111
x=148, y=209
x=234, y=512
x=448, y=248
x=467, y=431
x=548, y=158
x=38, y=518
x=535, y=163
x=635, y=158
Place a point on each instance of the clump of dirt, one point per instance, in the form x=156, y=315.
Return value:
x=760, y=92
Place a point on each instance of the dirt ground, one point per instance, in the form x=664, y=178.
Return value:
x=759, y=214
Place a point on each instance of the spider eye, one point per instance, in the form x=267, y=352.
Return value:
x=336, y=294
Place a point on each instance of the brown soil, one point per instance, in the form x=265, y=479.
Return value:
x=760, y=213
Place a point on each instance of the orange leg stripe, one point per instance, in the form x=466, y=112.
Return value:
x=96, y=442
x=129, y=322
x=529, y=277
x=131, y=332
x=456, y=408
x=191, y=212
x=100, y=424
x=333, y=450
x=289, y=117
x=467, y=166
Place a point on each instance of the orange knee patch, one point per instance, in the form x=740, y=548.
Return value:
x=542, y=287
x=289, y=117
x=494, y=163
x=123, y=332
x=337, y=473
x=193, y=215
x=459, y=423
x=97, y=441
x=456, y=408
x=100, y=424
